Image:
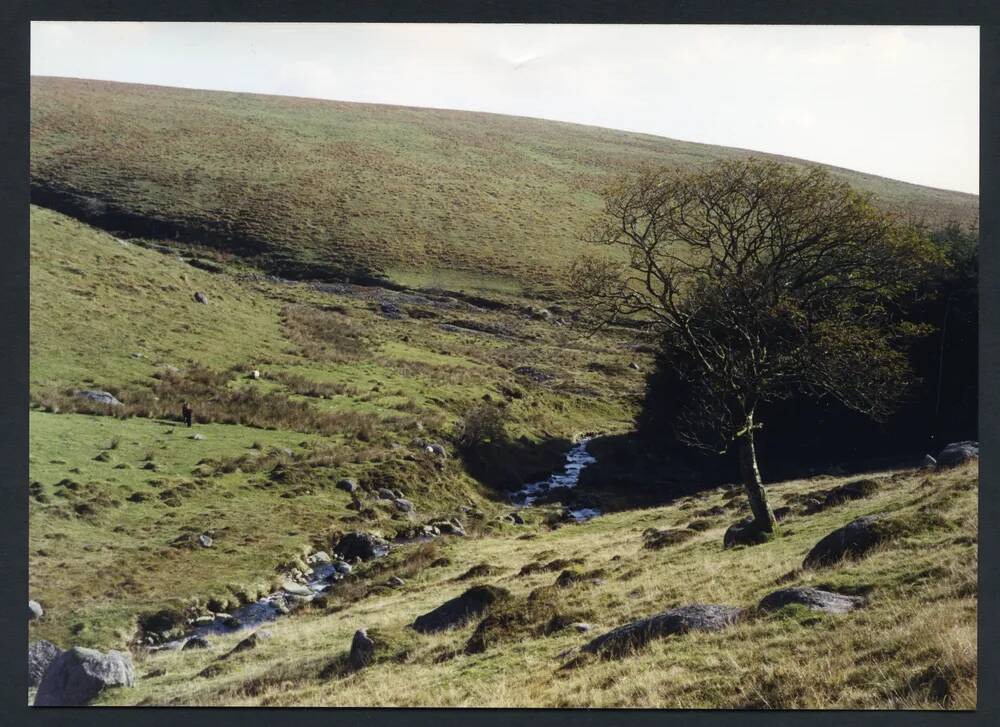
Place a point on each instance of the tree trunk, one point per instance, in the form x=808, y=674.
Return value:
x=762, y=514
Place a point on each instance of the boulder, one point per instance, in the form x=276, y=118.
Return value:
x=361, y=545
x=675, y=621
x=460, y=609
x=852, y=540
x=958, y=453
x=386, y=494
x=449, y=527
x=342, y=567
x=40, y=655
x=320, y=557
x=205, y=540
x=34, y=610
x=812, y=598
x=101, y=397
x=436, y=449
x=78, y=675
x=657, y=539
x=200, y=297
x=362, y=650
x=744, y=532
x=404, y=505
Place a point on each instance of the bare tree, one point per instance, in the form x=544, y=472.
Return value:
x=766, y=281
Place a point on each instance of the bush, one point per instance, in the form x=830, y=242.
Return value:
x=484, y=424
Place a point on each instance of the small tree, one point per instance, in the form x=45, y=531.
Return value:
x=766, y=281
x=485, y=423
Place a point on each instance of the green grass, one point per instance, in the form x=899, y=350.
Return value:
x=912, y=646
x=99, y=559
x=468, y=200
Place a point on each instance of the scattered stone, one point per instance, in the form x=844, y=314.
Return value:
x=204, y=620
x=78, y=675
x=101, y=397
x=812, y=598
x=449, y=527
x=744, y=532
x=200, y=297
x=196, y=642
x=657, y=539
x=362, y=650
x=296, y=589
x=103, y=457
x=34, y=610
x=361, y=545
x=852, y=540
x=40, y=655
x=320, y=557
x=437, y=450
x=250, y=642
x=385, y=493
x=404, y=505
x=958, y=453
x=582, y=627
x=516, y=518
x=391, y=310
x=460, y=609
x=634, y=366
x=698, y=617
x=396, y=582
x=205, y=540
x=198, y=437
x=929, y=462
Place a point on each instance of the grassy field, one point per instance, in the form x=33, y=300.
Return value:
x=344, y=390
x=912, y=646
x=336, y=187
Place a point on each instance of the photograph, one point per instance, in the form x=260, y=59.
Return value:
x=503, y=365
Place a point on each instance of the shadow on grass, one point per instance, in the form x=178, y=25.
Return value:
x=507, y=466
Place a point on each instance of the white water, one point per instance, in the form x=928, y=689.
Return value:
x=577, y=458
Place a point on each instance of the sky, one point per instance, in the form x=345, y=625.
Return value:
x=897, y=101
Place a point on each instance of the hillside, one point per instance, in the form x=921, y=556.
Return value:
x=311, y=188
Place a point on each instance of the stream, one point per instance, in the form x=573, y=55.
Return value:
x=577, y=458
x=325, y=575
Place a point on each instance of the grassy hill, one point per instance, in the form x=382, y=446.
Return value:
x=429, y=197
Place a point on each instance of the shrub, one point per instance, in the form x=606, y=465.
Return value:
x=485, y=423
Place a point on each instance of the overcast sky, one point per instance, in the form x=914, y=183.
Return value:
x=902, y=102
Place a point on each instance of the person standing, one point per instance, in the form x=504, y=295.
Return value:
x=187, y=412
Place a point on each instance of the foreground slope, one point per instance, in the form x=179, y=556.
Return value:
x=911, y=646
x=322, y=187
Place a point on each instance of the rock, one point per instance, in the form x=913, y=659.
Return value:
x=516, y=518
x=255, y=374
x=634, y=366
x=342, y=567
x=657, y=539
x=250, y=642
x=780, y=513
x=541, y=314
x=205, y=540
x=101, y=397
x=460, y=609
x=812, y=598
x=404, y=505
x=449, y=527
x=534, y=374
x=200, y=297
x=583, y=628
x=385, y=493
x=78, y=675
x=34, y=610
x=958, y=453
x=391, y=310
x=40, y=655
x=196, y=642
x=362, y=650
x=856, y=490
x=396, y=582
x=437, y=450
x=198, y=437
x=697, y=617
x=296, y=589
x=361, y=545
x=928, y=463
x=320, y=557
x=204, y=620
x=398, y=494
x=852, y=540
x=744, y=532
